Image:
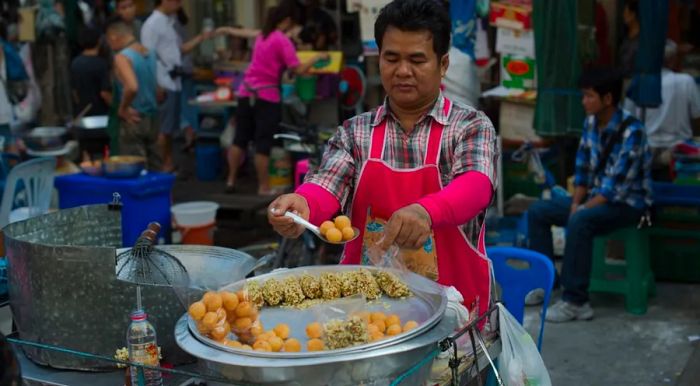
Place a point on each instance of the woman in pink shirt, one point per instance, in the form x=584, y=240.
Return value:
x=259, y=109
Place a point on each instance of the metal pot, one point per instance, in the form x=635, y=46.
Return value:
x=46, y=138
x=124, y=166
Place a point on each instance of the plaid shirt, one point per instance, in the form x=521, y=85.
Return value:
x=626, y=177
x=468, y=144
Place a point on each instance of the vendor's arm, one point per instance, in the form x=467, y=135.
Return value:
x=324, y=190
x=130, y=87
x=462, y=200
x=291, y=61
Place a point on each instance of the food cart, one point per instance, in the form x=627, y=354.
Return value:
x=68, y=329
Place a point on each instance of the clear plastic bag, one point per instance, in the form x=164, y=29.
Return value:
x=217, y=313
x=520, y=363
x=392, y=278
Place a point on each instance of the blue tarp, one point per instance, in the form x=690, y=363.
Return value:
x=463, y=14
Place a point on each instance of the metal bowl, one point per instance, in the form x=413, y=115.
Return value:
x=378, y=366
x=94, y=122
x=46, y=138
x=92, y=168
x=124, y=166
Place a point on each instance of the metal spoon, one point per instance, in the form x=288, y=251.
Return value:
x=315, y=230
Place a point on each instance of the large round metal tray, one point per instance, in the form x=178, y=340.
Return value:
x=426, y=306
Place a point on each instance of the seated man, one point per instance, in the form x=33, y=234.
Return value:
x=612, y=190
x=135, y=67
x=675, y=120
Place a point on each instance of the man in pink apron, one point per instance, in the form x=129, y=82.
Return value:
x=417, y=171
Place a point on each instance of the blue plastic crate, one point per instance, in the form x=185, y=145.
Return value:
x=668, y=194
x=145, y=199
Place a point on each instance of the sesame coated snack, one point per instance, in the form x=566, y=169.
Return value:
x=273, y=292
x=311, y=285
x=341, y=334
x=331, y=286
x=391, y=285
x=293, y=293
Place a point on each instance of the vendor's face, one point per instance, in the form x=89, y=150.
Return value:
x=409, y=67
x=126, y=10
x=593, y=103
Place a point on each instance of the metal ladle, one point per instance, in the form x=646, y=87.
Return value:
x=315, y=230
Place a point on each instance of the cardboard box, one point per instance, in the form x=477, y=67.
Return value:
x=518, y=72
x=515, y=42
x=511, y=14
x=516, y=121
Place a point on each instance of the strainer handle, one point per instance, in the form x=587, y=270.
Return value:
x=150, y=235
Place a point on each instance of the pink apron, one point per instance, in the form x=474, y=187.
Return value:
x=447, y=256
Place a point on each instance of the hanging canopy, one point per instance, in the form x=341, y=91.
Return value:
x=558, y=63
x=645, y=89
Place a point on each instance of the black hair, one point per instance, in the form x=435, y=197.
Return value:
x=416, y=15
x=275, y=15
x=89, y=38
x=182, y=17
x=157, y=3
x=633, y=6
x=116, y=22
x=603, y=81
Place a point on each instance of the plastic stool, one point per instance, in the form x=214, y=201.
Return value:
x=632, y=277
x=302, y=167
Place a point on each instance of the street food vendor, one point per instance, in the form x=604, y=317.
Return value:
x=417, y=171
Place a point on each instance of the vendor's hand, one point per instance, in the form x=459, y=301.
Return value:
x=282, y=224
x=130, y=115
x=409, y=228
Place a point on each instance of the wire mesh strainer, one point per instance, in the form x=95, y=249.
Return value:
x=145, y=265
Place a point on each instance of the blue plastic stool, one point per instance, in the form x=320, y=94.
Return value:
x=516, y=282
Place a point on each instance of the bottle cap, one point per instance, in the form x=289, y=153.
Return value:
x=138, y=315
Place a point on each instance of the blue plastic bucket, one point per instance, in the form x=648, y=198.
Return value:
x=208, y=162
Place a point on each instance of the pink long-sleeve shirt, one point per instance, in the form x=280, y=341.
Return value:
x=460, y=201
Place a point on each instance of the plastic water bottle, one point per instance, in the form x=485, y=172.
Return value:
x=141, y=341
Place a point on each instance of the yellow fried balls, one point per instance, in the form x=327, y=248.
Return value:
x=334, y=235
x=314, y=345
x=342, y=222
x=325, y=226
x=197, y=310
x=410, y=325
x=292, y=345
x=314, y=330
x=281, y=330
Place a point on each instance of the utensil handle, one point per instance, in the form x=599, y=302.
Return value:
x=297, y=219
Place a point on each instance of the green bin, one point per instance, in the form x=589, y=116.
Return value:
x=306, y=87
